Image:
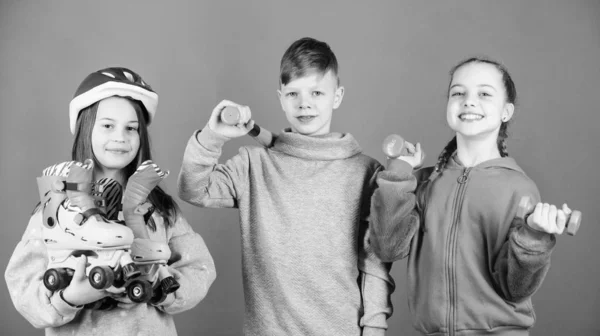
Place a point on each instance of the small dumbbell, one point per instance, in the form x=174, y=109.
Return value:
x=393, y=146
x=231, y=116
x=526, y=207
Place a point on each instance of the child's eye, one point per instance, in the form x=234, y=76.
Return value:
x=291, y=94
x=485, y=94
x=132, y=128
x=455, y=94
x=108, y=126
x=318, y=93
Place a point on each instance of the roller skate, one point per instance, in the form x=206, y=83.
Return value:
x=73, y=225
x=151, y=257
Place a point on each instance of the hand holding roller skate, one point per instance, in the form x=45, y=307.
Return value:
x=526, y=208
x=231, y=116
x=394, y=147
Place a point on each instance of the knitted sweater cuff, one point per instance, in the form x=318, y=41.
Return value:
x=209, y=139
x=372, y=331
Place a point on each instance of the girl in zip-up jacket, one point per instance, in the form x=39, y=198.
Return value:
x=472, y=266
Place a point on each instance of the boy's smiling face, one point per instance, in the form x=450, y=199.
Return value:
x=309, y=101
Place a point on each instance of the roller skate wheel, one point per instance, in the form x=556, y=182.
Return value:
x=56, y=279
x=130, y=271
x=139, y=291
x=101, y=277
x=169, y=285
x=159, y=296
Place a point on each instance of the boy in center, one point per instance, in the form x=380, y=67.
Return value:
x=304, y=204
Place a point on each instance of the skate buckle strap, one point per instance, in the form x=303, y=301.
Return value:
x=82, y=217
x=62, y=186
x=100, y=203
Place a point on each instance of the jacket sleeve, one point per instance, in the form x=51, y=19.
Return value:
x=191, y=265
x=24, y=278
x=393, y=218
x=376, y=282
x=523, y=260
x=206, y=183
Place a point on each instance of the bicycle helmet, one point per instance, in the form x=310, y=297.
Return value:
x=115, y=81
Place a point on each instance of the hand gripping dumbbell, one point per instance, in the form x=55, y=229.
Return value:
x=231, y=116
x=526, y=207
x=393, y=147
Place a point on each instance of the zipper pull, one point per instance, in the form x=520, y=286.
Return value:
x=464, y=177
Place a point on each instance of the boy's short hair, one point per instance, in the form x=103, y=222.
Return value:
x=307, y=54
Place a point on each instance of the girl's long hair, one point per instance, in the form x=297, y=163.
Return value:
x=82, y=150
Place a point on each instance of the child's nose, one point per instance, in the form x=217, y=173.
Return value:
x=305, y=101
x=119, y=136
x=469, y=101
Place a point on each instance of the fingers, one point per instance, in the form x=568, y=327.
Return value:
x=115, y=290
x=547, y=218
x=79, y=271
x=561, y=221
x=410, y=148
x=250, y=125
x=245, y=115
x=126, y=305
x=566, y=209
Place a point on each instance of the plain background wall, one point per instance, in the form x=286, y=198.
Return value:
x=394, y=58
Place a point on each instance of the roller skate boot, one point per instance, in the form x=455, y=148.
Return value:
x=73, y=225
x=151, y=257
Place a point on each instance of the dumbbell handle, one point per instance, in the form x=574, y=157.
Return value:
x=231, y=116
x=526, y=207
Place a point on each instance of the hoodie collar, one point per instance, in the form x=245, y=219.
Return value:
x=331, y=146
x=502, y=162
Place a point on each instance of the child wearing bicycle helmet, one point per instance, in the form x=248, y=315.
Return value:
x=173, y=269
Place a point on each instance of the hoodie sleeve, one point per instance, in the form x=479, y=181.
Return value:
x=523, y=260
x=206, y=183
x=24, y=278
x=191, y=265
x=393, y=218
x=376, y=282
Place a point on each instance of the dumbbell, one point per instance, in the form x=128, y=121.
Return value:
x=393, y=147
x=231, y=116
x=526, y=208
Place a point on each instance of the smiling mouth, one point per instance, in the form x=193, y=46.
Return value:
x=118, y=151
x=305, y=119
x=470, y=116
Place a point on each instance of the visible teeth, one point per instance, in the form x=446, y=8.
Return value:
x=470, y=116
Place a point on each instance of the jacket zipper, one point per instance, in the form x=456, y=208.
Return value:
x=451, y=255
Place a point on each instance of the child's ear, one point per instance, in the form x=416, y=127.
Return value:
x=509, y=110
x=279, y=97
x=339, y=95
